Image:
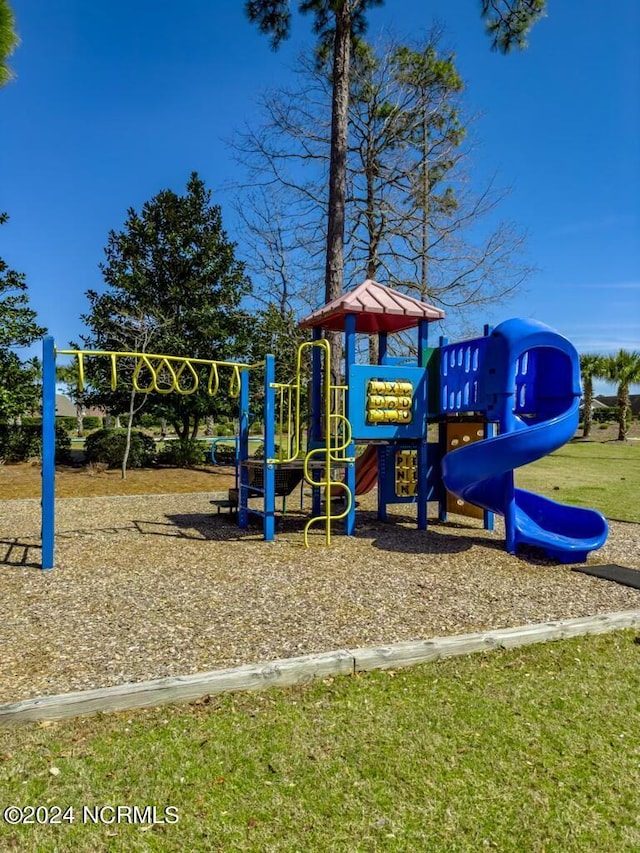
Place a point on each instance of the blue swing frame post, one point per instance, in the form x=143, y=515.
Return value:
x=242, y=474
x=48, y=500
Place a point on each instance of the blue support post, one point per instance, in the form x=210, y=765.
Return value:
x=423, y=469
x=382, y=347
x=423, y=341
x=48, y=452
x=269, y=479
x=242, y=472
x=350, y=476
x=442, y=448
x=489, y=432
x=383, y=475
x=422, y=449
x=488, y=517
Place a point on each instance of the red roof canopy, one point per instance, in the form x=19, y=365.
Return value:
x=377, y=309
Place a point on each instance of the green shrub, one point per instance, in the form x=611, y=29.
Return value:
x=63, y=445
x=224, y=429
x=183, y=453
x=148, y=421
x=108, y=445
x=68, y=422
x=20, y=443
x=225, y=454
x=91, y=422
x=604, y=415
x=259, y=451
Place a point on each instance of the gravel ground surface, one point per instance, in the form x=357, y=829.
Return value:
x=151, y=586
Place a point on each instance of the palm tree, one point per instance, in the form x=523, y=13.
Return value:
x=623, y=369
x=591, y=367
x=8, y=40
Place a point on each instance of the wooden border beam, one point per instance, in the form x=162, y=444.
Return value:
x=302, y=670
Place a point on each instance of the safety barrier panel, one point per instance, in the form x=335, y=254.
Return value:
x=460, y=370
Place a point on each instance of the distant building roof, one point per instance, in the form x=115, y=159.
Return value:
x=377, y=308
x=64, y=407
x=595, y=404
x=612, y=402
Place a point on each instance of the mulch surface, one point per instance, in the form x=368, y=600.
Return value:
x=24, y=481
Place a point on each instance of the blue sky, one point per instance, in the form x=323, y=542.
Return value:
x=114, y=101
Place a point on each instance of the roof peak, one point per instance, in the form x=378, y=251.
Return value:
x=378, y=308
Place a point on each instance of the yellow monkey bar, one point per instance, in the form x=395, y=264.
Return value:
x=163, y=373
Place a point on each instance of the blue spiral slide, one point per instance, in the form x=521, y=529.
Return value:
x=529, y=383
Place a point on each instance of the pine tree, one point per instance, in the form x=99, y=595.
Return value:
x=174, y=287
x=19, y=379
x=338, y=24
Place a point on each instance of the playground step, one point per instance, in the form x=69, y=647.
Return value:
x=225, y=503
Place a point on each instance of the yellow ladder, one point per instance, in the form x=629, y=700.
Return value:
x=337, y=440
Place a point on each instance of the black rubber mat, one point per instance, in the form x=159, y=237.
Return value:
x=611, y=572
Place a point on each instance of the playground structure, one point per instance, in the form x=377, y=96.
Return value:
x=496, y=402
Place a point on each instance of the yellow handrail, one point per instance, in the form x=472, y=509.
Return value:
x=294, y=420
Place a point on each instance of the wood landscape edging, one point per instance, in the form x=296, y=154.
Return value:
x=301, y=670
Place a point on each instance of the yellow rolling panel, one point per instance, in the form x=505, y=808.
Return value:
x=389, y=402
x=406, y=473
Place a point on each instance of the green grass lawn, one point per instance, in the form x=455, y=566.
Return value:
x=534, y=749
x=605, y=476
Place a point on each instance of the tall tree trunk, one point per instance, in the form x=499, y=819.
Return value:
x=587, y=406
x=426, y=191
x=373, y=349
x=127, y=443
x=373, y=239
x=334, y=272
x=183, y=431
x=623, y=408
x=79, y=417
